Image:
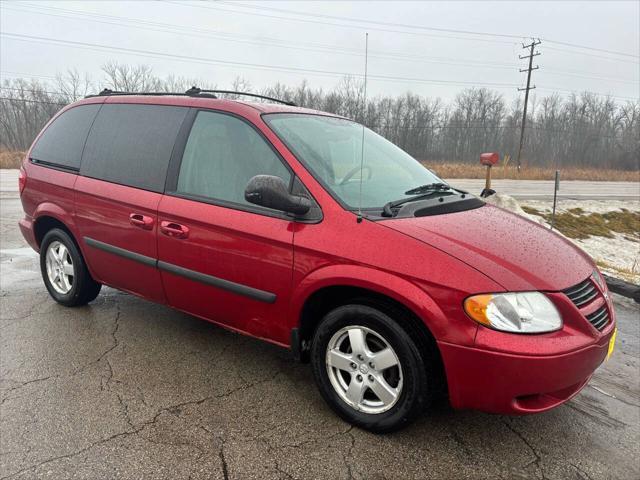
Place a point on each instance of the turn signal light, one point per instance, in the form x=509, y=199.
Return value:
x=476, y=308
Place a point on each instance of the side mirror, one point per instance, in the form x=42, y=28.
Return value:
x=271, y=192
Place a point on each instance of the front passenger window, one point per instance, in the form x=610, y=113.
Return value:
x=222, y=154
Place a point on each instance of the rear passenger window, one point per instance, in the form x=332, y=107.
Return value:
x=222, y=154
x=131, y=144
x=61, y=144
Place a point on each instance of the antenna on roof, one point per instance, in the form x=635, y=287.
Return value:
x=364, y=114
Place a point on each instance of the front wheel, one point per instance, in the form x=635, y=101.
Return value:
x=64, y=271
x=368, y=368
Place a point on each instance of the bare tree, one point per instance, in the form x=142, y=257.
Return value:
x=127, y=78
x=578, y=130
x=25, y=107
x=72, y=86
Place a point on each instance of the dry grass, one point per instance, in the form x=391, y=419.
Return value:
x=463, y=170
x=624, y=273
x=576, y=223
x=10, y=159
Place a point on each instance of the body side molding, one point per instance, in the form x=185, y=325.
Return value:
x=238, y=288
x=233, y=287
x=128, y=254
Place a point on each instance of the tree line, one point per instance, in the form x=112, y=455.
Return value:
x=579, y=130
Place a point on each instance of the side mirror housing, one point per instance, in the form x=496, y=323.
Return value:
x=271, y=192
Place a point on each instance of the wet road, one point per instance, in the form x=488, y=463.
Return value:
x=127, y=389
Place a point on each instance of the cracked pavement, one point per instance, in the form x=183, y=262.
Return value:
x=123, y=388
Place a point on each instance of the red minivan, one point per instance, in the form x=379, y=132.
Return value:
x=314, y=233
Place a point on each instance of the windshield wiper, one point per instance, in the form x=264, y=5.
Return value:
x=430, y=187
x=423, y=191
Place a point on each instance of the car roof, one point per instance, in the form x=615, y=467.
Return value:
x=235, y=106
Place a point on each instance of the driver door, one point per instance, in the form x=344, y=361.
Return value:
x=220, y=257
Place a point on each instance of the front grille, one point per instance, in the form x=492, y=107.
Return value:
x=582, y=293
x=599, y=318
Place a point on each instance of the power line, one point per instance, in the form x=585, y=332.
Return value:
x=32, y=90
x=32, y=101
x=373, y=22
x=552, y=89
x=574, y=45
x=323, y=48
x=574, y=52
x=261, y=67
x=209, y=7
x=256, y=66
x=22, y=74
x=421, y=27
x=565, y=73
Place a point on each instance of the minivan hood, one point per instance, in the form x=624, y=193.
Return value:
x=515, y=252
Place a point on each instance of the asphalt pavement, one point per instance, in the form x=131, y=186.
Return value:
x=123, y=388
x=543, y=189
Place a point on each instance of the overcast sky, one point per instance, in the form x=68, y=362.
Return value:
x=411, y=44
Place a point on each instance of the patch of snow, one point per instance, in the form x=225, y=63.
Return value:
x=619, y=252
x=509, y=203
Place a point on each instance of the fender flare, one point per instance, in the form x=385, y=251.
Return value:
x=49, y=209
x=378, y=281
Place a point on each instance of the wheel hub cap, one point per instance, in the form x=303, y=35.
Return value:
x=364, y=370
x=59, y=266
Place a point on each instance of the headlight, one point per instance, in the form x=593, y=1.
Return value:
x=597, y=276
x=526, y=312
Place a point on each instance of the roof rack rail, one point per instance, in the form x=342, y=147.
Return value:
x=198, y=91
x=108, y=92
x=192, y=92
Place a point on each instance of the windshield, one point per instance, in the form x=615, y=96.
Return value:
x=331, y=148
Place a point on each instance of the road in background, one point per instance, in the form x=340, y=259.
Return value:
x=123, y=388
x=520, y=189
x=543, y=189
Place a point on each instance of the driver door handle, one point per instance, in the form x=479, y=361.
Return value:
x=175, y=230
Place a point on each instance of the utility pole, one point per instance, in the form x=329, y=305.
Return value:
x=532, y=54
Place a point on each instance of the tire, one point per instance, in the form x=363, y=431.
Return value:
x=64, y=271
x=336, y=343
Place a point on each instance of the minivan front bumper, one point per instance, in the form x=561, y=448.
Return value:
x=507, y=383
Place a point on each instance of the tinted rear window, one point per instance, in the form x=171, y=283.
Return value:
x=132, y=144
x=62, y=142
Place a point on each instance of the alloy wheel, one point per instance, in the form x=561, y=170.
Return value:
x=364, y=370
x=60, y=271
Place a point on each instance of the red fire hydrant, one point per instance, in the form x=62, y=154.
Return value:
x=489, y=160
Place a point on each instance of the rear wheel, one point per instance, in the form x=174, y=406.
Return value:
x=64, y=271
x=368, y=368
